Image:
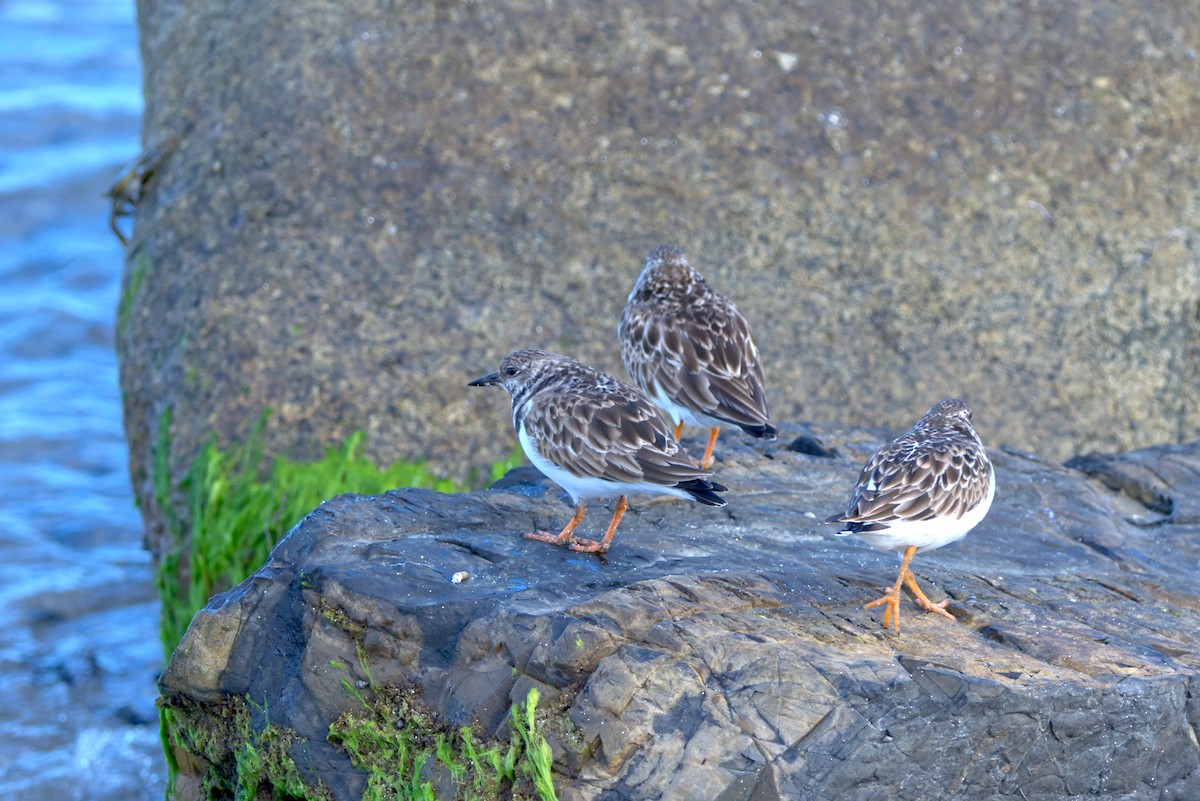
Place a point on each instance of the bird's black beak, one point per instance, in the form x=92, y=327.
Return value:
x=489, y=380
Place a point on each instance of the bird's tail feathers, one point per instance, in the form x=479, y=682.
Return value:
x=704, y=491
x=761, y=430
x=854, y=526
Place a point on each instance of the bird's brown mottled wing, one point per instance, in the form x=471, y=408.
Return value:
x=620, y=436
x=943, y=477
x=704, y=359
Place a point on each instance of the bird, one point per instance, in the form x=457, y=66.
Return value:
x=596, y=437
x=924, y=489
x=690, y=349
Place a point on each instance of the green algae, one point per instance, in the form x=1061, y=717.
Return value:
x=404, y=751
x=237, y=510
x=223, y=518
x=238, y=760
x=408, y=756
x=125, y=305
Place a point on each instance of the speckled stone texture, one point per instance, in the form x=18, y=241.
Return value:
x=724, y=654
x=361, y=206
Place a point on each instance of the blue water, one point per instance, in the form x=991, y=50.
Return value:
x=78, y=649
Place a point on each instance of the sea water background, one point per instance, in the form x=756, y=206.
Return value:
x=79, y=651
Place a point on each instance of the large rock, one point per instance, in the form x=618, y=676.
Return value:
x=724, y=654
x=353, y=208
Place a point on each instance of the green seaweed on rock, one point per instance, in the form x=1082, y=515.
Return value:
x=130, y=292
x=238, y=761
x=402, y=749
x=237, y=510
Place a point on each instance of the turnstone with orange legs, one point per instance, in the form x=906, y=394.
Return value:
x=596, y=437
x=923, y=490
x=690, y=349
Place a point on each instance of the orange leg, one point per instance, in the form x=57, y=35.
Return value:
x=922, y=601
x=591, y=546
x=892, y=596
x=678, y=434
x=707, y=461
x=563, y=536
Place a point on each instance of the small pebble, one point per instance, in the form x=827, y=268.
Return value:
x=460, y=577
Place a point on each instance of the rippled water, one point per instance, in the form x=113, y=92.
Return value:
x=78, y=650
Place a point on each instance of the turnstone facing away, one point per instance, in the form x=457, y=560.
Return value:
x=923, y=490
x=690, y=350
x=596, y=437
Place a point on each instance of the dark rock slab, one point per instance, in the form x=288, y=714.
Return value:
x=357, y=206
x=723, y=653
x=1158, y=478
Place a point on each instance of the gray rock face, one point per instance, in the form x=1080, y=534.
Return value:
x=724, y=654
x=358, y=206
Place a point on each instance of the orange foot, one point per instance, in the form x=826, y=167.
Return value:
x=924, y=602
x=892, y=599
x=564, y=536
x=591, y=546
x=892, y=596
x=545, y=536
x=588, y=546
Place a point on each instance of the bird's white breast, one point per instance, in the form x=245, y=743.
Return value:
x=581, y=488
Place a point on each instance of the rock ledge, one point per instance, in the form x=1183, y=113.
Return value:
x=723, y=653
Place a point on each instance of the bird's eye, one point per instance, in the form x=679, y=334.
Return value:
x=510, y=370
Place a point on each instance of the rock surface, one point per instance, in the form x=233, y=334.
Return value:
x=723, y=654
x=356, y=207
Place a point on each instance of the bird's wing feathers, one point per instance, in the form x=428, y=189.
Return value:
x=622, y=437
x=945, y=478
x=706, y=361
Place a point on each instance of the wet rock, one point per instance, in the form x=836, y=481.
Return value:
x=724, y=653
x=1158, y=478
x=354, y=208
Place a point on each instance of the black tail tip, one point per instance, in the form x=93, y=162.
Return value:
x=763, y=431
x=854, y=527
x=703, y=491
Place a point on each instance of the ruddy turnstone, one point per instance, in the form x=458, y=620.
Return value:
x=923, y=490
x=690, y=350
x=596, y=437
